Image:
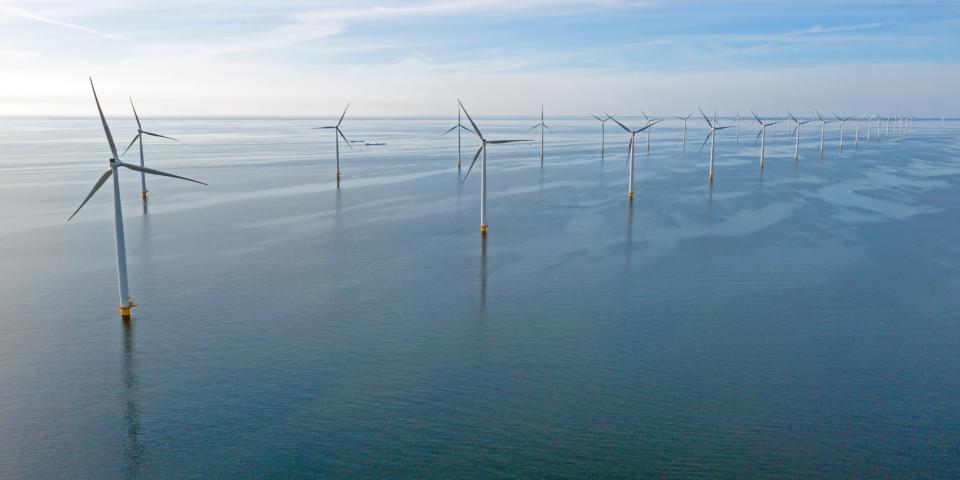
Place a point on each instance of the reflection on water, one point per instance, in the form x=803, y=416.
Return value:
x=133, y=447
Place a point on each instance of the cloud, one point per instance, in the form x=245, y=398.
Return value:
x=27, y=14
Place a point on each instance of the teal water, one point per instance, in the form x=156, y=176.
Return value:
x=802, y=322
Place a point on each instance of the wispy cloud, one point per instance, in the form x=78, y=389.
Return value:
x=27, y=14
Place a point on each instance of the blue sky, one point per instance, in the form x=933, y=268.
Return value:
x=296, y=57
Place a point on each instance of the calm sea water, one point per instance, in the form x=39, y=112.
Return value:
x=804, y=322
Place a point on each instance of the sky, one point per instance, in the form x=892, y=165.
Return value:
x=502, y=57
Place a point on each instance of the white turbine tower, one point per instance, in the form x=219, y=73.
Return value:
x=542, y=126
x=651, y=123
x=797, y=130
x=139, y=137
x=483, y=167
x=603, y=133
x=843, y=122
x=126, y=303
x=761, y=135
x=459, y=127
x=714, y=126
x=856, y=136
x=630, y=151
x=685, y=128
x=738, y=125
x=337, y=134
x=823, y=125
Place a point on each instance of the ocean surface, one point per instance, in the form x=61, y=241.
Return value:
x=799, y=322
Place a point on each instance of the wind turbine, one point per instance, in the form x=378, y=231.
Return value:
x=797, y=129
x=645, y=117
x=685, y=128
x=459, y=127
x=126, y=303
x=337, y=134
x=483, y=167
x=714, y=126
x=843, y=122
x=823, y=124
x=761, y=135
x=630, y=150
x=139, y=137
x=542, y=125
x=738, y=125
x=603, y=133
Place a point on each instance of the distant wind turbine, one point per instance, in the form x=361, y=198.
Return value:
x=714, y=126
x=649, y=120
x=631, y=149
x=761, y=135
x=483, y=167
x=459, y=127
x=603, y=133
x=823, y=125
x=685, y=128
x=797, y=129
x=126, y=303
x=542, y=126
x=738, y=125
x=139, y=137
x=337, y=134
x=843, y=122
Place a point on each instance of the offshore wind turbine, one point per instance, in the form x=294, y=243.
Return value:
x=631, y=149
x=823, y=125
x=685, y=128
x=459, y=127
x=738, y=125
x=139, y=137
x=645, y=117
x=126, y=303
x=337, y=134
x=483, y=167
x=797, y=129
x=843, y=122
x=762, y=135
x=542, y=126
x=603, y=132
x=856, y=136
x=714, y=126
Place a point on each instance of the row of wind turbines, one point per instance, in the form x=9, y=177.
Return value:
x=903, y=124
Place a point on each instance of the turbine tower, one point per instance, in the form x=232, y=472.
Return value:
x=542, y=126
x=603, y=133
x=761, y=135
x=685, y=128
x=823, y=124
x=139, y=137
x=483, y=167
x=337, y=134
x=459, y=127
x=630, y=150
x=843, y=122
x=126, y=302
x=714, y=126
x=796, y=130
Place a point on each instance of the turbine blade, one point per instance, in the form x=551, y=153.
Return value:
x=158, y=172
x=507, y=141
x=161, y=136
x=705, y=119
x=103, y=178
x=344, y=115
x=135, y=138
x=618, y=123
x=547, y=127
x=531, y=128
x=755, y=140
x=106, y=129
x=321, y=128
x=475, y=157
x=467, y=129
x=344, y=138
x=594, y=116
x=139, y=127
x=475, y=128
x=451, y=129
x=705, y=140
x=649, y=125
x=792, y=117
x=756, y=116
